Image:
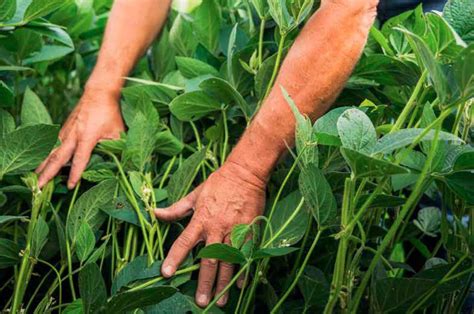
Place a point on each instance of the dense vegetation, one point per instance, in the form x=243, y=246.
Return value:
x=372, y=211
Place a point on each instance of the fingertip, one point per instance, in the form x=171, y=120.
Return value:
x=222, y=301
x=202, y=299
x=167, y=270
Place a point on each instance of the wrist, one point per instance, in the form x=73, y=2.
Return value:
x=258, y=151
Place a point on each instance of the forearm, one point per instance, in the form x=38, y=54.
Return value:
x=132, y=26
x=314, y=72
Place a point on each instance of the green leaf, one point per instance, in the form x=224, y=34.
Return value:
x=207, y=23
x=8, y=253
x=182, y=179
x=314, y=287
x=53, y=32
x=462, y=183
x=190, y=67
x=75, y=307
x=48, y=53
x=429, y=220
x=85, y=242
x=7, y=218
x=141, y=139
x=40, y=236
x=92, y=289
x=87, y=208
x=168, y=144
x=7, y=123
x=464, y=161
x=24, y=148
x=193, y=106
x=129, y=301
x=225, y=93
x=182, y=37
x=239, y=234
x=6, y=95
x=98, y=175
x=294, y=230
x=33, y=110
x=382, y=201
x=427, y=60
x=318, y=195
x=405, y=137
x=392, y=294
x=60, y=234
x=305, y=144
x=40, y=8
x=459, y=14
x=223, y=253
x=325, y=128
x=273, y=252
x=135, y=105
x=366, y=166
x=137, y=269
x=356, y=131
x=7, y=10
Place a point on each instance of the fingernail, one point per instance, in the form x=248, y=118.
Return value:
x=71, y=185
x=222, y=301
x=202, y=300
x=168, y=271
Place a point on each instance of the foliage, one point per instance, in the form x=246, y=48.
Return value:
x=380, y=186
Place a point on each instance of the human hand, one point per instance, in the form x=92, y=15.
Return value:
x=96, y=117
x=232, y=195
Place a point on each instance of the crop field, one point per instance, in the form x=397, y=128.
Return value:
x=370, y=212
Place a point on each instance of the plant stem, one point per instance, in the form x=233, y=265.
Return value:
x=277, y=64
x=226, y=137
x=298, y=275
x=260, y=41
x=230, y=284
x=410, y=104
x=339, y=268
x=287, y=222
x=411, y=201
x=160, y=278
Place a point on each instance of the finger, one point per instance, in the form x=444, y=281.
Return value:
x=81, y=158
x=181, y=248
x=241, y=281
x=225, y=275
x=207, y=275
x=40, y=168
x=180, y=209
x=56, y=160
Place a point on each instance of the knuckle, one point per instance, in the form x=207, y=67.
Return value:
x=227, y=267
x=210, y=262
x=184, y=240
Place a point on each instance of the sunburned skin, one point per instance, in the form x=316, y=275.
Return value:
x=314, y=72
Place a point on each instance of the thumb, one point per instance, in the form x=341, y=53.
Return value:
x=180, y=209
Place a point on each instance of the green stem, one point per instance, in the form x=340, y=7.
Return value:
x=223, y=291
x=286, y=224
x=300, y=252
x=410, y=104
x=277, y=64
x=339, y=268
x=298, y=275
x=160, y=278
x=260, y=41
x=411, y=201
x=226, y=137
